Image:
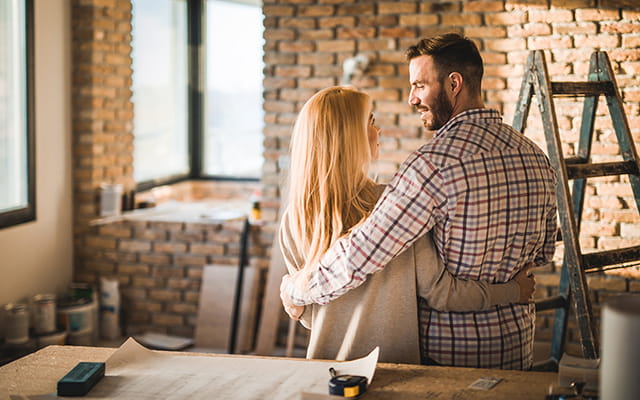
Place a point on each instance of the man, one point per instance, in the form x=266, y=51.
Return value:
x=486, y=191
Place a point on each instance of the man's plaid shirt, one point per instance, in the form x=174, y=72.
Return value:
x=488, y=194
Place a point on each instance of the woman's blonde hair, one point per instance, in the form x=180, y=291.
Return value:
x=329, y=190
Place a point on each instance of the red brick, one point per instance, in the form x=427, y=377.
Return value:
x=316, y=34
x=504, y=44
x=460, y=19
x=296, y=47
x=169, y=247
x=163, y=319
x=597, y=14
x=342, y=45
x=525, y=4
x=596, y=41
x=355, y=9
x=278, y=11
x=315, y=11
x=100, y=242
x=482, y=6
x=418, y=20
x=133, y=269
x=396, y=7
x=549, y=42
x=355, y=33
x=506, y=18
x=334, y=22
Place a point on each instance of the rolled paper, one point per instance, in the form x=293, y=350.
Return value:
x=620, y=358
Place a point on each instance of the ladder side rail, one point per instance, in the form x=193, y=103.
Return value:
x=524, y=98
x=568, y=221
x=560, y=318
x=620, y=123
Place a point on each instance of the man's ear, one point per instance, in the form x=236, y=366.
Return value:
x=455, y=83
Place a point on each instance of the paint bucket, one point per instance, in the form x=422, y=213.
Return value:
x=55, y=338
x=44, y=313
x=16, y=322
x=80, y=339
x=75, y=315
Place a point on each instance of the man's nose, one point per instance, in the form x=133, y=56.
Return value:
x=413, y=100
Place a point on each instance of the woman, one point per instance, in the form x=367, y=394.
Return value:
x=334, y=140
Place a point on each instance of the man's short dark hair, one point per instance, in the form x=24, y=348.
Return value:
x=452, y=52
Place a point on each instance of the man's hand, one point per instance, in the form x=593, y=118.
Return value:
x=527, y=284
x=294, y=311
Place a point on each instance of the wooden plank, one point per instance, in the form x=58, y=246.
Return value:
x=271, y=304
x=213, y=325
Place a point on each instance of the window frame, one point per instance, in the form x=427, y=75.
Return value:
x=27, y=212
x=196, y=67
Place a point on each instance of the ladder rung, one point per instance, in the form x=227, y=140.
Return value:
x=551, y=303
x=575, y=89
x=575, y=160
x=580, y=171
x=610, y=257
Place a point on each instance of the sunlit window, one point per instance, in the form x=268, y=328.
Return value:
x=197, y=89
x=159, y=55
x=17, y=169
x=234, y=115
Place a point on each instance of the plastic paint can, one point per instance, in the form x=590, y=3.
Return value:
x=16, y=323
x=44, y=313
x=55, y=338
x=75, y=316
x=110, y=199
x=80, y=339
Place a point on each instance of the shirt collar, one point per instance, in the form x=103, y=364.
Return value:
x=473, y=114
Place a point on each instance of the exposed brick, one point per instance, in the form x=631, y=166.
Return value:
x=418, y=20
x=189, y=259
x=397, y=7
x=315, y=11
x=133, y=269
x=163, y=319
x=169, y=247
x=100, y=242
x=597, y=14
x=335, y=45
x=460, y=19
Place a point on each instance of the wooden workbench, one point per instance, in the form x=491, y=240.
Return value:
x=38, y=373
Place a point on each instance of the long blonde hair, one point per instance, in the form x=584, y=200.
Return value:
x=329, y=190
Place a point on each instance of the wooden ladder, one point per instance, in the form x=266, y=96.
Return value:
x=573, y=283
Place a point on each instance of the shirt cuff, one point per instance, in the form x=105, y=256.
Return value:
x=291, y=286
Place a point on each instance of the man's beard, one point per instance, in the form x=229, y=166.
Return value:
x=441, y=112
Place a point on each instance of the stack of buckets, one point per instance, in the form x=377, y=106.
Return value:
x=78, y=315
x=71, y=320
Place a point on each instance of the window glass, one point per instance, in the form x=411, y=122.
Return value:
x=234, y=72
x=159, y=84
x=16, y=134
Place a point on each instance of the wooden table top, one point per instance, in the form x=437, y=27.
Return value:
x=38, y=373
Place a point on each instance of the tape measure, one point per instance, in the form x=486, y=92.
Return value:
x=347, y=385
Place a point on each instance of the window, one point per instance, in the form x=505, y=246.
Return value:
x=160, y=89
x=234, y=117
x=17, y=154
x=197, y=90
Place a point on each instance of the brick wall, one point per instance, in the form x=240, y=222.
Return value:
x=306, y=42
